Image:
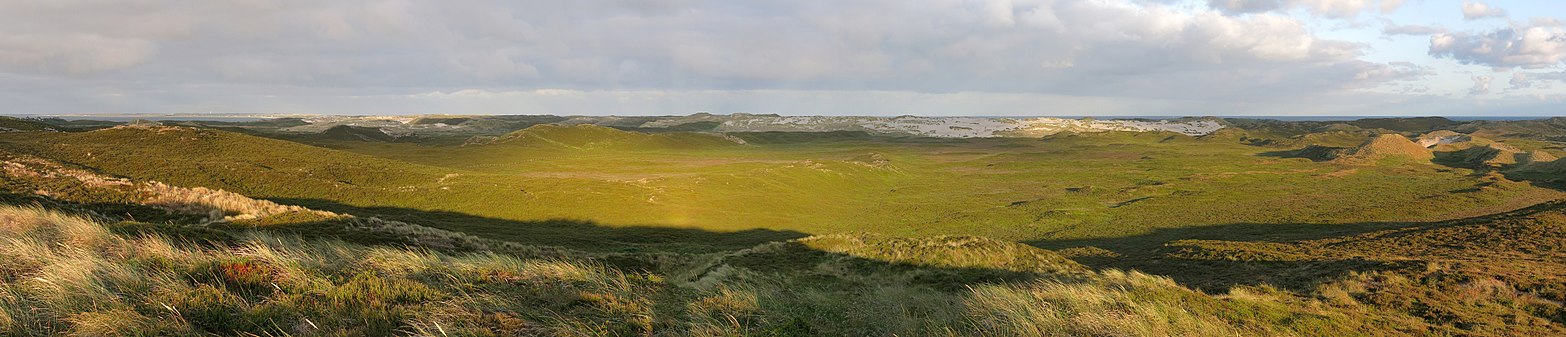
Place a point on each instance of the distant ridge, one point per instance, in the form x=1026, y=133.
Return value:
x=587, y=136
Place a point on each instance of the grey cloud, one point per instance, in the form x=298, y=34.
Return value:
x=76, y=54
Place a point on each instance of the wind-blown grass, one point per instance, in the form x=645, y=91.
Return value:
x=68, y=275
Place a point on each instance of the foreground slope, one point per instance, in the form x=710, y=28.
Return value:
x=69, y=275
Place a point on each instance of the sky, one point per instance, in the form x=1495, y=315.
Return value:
x=791, y=57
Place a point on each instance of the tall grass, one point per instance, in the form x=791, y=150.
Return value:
x=68, y=275
x=65, y=275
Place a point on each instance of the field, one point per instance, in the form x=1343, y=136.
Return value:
x=1262, y=228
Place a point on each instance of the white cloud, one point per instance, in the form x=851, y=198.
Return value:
x=1473, y=10
x=1525, y=46
x=1418, y=30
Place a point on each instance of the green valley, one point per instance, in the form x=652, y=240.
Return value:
x=534, y=226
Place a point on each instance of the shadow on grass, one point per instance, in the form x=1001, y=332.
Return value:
x=574, y=234
x=1315, y=153
x=1164, y=251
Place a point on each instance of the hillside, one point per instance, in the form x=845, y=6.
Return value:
x=212, y=158
x=19, y=124
x=76, y=276
x=1492, y=156
x=1488, y=275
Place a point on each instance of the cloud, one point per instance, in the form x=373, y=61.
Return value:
x=1519, y=81
x=1525, y=80
x=1342, y=9
x=1525, y=46
x=1473, y=10
x=1125, y=47
x=1481, y=85
x=297, y=55
x=1541, y=80
x=1417, y=30
x=76, y=54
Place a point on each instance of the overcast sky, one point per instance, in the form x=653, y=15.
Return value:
x=792, y=57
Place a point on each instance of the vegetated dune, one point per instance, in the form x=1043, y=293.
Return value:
x=1551, y=171
x=255, y=166
x=1315, y=153
x=448, y=120
x=1492, y=155
x=35, y=180
x=77, y=276
x=18, y=124
x=1331, y=138
x=1404, y=124
x=1387, y=146
x=1440, y=137
x=1490, y=275
x=356, y=133
x=586, y=136
x=1549, y=129
x=1536, y=156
